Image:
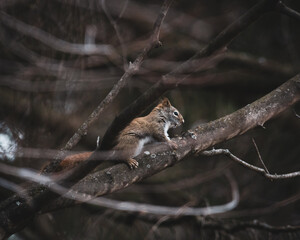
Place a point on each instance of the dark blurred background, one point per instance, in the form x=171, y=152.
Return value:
x=46, y=92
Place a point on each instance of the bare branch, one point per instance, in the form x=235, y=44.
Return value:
x=199, y=178
x=20, y=84
x=180, y=21
x=296, y=114
x=155, y=226
x=259, y=156
x=239, y=226
x=204, y=136
x=260, y=211
x=53, y=67
x=201, y=138
x=281, y=7
x=33, y=176
x=11, y=186
x=264, y=172
x=116, y=28
x=230, y=226
x=260, y=63
x=53, y=42
x=9, y=3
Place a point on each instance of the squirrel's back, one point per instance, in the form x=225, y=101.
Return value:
x=139, y=132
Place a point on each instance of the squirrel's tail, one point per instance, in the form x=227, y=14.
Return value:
x=72, y=160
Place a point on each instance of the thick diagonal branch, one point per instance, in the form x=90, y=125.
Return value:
x=13, y=217
x=203, y=137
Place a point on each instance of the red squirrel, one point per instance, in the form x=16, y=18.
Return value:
x=141, y=130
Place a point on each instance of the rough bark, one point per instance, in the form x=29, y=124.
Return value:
x=203, y=137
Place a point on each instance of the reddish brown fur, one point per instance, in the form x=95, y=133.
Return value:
x=151, y=126
x=72, y=160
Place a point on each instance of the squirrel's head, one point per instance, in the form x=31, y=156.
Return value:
x=170, y=113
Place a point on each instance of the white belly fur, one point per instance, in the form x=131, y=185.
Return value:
x=141, y=144
x=166, y=128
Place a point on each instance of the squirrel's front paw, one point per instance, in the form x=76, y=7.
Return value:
x=173, y=145
x=132, y=163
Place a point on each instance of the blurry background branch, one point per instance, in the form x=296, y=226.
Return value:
x=45, y=195
x=170, y=213
x=53, y=42
x=47, y=93
x=132, y=69
x=82, y=197
x=288, y=11
x=171, y=80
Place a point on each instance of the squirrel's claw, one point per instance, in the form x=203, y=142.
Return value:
x=173, y=145
x=132, y=163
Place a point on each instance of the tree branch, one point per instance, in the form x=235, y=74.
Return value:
x=259, y=156
x=262, y=171
x=119, y=176
x=53, y=42
x=169, y=213
x=13, y=217
x=282, y=8
x=30, y=175
x=240, y=226
x=254, y=212
x=227, y=226
x=203, y=137
x=117, y=31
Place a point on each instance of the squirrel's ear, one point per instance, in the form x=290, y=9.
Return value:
x=165, y=102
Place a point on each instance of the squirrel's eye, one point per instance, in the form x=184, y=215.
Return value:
x=175, y=113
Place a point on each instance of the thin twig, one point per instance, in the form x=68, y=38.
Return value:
x=259, y=156
x=155, y=226
x=262, y=171
x=229, y=226
x=261, y=211
x=255, y=224
x=281, y=7
x=296, y=114
x=116, y=28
